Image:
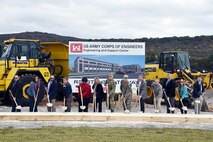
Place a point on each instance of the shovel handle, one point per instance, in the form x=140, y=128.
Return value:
x=167, y=98
x=36, y=97
x=82, y=101
x=10, y=92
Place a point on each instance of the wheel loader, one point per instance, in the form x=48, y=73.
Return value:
x=28, y=58
x=178, y=65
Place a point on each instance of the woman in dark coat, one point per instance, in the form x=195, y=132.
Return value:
x=98, y=94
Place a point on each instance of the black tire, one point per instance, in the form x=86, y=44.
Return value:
x=5, y=99
x=25, y=80
x=149, y=99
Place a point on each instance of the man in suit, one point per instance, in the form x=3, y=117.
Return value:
x=197, y=94
x=67, y=94
x=143, y=93
x=16, y=93
x=170, y=91
x=52, y=89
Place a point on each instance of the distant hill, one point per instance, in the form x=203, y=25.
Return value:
x=38, y=35
x=200, y=48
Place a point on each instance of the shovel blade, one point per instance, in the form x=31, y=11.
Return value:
x=49, y=104
x=63, y=108
x=126, y=111
x=82, y=107
x=19, y=107
x=108, y=111
x=184, y=108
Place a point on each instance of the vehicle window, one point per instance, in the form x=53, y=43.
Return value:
x=24, y=50
x=33, y=50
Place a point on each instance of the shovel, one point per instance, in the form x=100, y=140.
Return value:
x=139, y=106
x=107, y=101
x=82, y=102
x=172, y=109
x=36, y=98
x=18, y=107
x=49, y=105
x=125, y=108
x=64, y=108
x=48, y=102
x=184, y=108
x=94, y=103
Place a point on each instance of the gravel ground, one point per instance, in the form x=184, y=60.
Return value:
x=148, y=108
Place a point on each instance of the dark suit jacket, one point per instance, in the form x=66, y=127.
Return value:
x=53, y=90
x=197, y=90
x=99, y=91
x=143, y=89
x=170, y=88
x=16, y=89
x=67, y=90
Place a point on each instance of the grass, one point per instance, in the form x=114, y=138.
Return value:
x=88, y=134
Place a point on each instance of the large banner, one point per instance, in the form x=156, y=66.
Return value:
x=99, y=59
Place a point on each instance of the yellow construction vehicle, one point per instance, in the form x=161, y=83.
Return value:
x=29, y=58
x=177, y=63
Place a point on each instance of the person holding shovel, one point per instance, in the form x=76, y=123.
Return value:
x=184, y=97
x=138, y=83
x=84, y=95
x=67, y=93
x=143, y=94
x=197, y=94
x=33, y=92
x=98, y=94
x=170, y=93
x=16, y=93
x=158, y=94
x=126, y=90
x=52, y=89
x=110, y=85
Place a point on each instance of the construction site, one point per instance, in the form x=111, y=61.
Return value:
x=53, y=60
x=106, y=71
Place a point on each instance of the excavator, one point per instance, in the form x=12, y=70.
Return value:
x=29, y=58
x=178, y=65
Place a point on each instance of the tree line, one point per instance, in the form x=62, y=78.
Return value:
x=200, y=48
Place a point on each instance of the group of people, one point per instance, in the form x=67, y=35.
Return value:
x=168, y=90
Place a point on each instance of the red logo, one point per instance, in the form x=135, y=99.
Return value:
x=76, y=47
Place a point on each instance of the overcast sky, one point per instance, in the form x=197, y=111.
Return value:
x=108, y=18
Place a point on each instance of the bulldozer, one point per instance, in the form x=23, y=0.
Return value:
x=178, y=65
x=29, y=58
